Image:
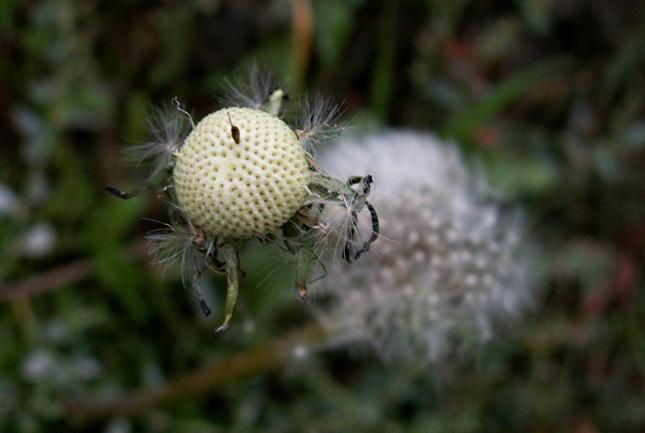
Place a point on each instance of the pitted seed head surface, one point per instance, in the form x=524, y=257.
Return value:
x=246, y=189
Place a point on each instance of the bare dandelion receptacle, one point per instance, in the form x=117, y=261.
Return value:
x=246, y=189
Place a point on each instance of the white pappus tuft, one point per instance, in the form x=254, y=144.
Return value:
x=452, y=264
x=318, y=121
x=175, y=243
x=251, y=89
x=181, y=242
x=167, y=126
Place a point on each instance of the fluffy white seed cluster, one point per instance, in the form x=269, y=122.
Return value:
x=241, y=173
x=450, y=264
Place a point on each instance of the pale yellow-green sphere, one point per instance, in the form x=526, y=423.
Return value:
x=240, y=190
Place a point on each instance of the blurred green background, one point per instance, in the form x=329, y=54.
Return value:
x=548, y=94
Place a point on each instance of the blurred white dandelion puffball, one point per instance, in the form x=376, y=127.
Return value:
x=451, y=263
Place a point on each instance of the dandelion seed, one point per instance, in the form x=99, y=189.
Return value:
x=430, y=293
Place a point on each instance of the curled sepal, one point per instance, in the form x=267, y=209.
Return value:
x=351, y=198
x=304, y=256
x=231, y=253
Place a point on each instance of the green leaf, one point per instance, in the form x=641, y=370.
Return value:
x=463, y=124
x=383, y=71
x=333, y=23
x=111, y=220
x=124, y=278
x=627, y=65
x=521, y=175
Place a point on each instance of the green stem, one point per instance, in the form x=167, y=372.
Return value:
x=383, y=71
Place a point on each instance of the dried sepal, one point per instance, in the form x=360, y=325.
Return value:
x=337, y=208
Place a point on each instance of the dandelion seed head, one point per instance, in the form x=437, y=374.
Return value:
x=242, y=173
x=449, y=267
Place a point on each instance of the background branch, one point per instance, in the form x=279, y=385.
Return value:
x=60, y=276
x=261, y=358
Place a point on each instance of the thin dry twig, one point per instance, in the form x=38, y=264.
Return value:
x=61, y=276
x=261, y=358
x=49, y=280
